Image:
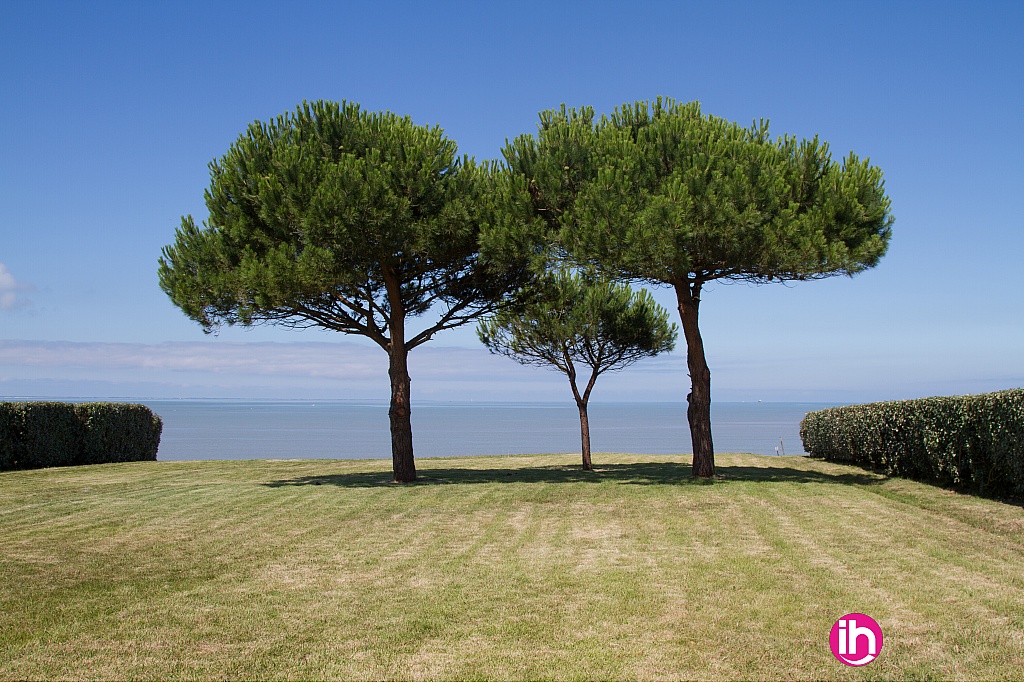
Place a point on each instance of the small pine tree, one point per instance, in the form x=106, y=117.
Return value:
x=576, y=320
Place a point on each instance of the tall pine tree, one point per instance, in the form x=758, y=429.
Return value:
x=662, y=193
x=351, y=221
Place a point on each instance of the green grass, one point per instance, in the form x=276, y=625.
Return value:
x=518, y=567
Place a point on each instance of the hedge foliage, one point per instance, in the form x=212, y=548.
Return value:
x=50, y=434
x=974, y=443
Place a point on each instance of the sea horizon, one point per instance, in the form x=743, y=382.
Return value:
x=245, y=428
x=381, y=401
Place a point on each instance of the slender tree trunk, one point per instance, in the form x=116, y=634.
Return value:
x=581, y=403
x=400, y=413
x=585, y=436
x=698, y=412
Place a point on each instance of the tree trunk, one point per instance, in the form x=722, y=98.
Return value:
x=585, y=436
x=581, y=402
x=698, y=412
x=400, y=414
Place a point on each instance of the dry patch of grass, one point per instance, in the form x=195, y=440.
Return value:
x=519, y=567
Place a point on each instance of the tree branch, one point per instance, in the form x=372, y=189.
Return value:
x=571, y=372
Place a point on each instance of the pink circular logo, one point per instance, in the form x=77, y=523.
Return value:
x=856, y=639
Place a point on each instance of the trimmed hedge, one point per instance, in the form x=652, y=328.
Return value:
x=974, y=443
x=118, y=432
x=50, y=434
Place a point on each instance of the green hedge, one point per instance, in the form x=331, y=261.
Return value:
x=50, y=434
x=975, y=443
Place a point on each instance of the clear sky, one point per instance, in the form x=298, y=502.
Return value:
x=110, y=113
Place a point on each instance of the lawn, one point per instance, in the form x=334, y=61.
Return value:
x=520, y=567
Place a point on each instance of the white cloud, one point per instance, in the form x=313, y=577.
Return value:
x=242, y=369
x=344, y=370
x=335, y=361
x=8, y=289
x=297, y=369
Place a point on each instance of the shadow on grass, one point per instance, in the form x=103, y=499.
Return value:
x=667, y=473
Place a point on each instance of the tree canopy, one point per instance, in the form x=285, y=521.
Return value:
x=333, y=217
x=662, y=193
x=572, y=320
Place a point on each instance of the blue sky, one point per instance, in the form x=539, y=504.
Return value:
x=110, y=113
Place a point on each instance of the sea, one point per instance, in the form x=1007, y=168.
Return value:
x=237, y=429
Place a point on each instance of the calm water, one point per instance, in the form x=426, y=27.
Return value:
x=203, y=430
